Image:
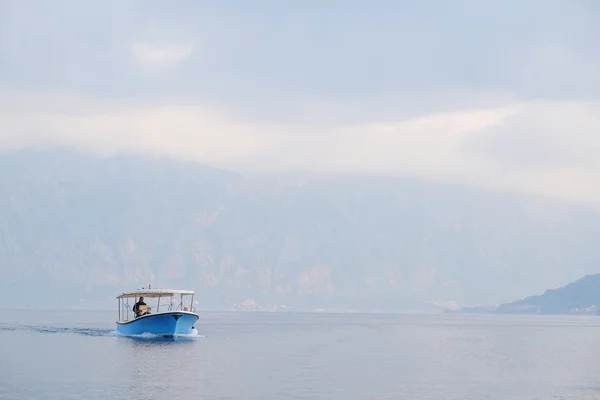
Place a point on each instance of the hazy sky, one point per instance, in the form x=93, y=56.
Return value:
x=502, y=94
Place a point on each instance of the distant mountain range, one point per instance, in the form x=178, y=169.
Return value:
x=579, y=297
x=76, y=230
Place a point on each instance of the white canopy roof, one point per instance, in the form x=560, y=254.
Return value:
x=154, y=293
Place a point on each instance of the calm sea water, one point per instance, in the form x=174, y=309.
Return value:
x=74, y=355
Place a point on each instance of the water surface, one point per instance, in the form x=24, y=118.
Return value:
x=75, y=355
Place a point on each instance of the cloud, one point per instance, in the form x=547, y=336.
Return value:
x=153, y=55
x=109, y=127
x=500, y=95
x=494, y=147
x=265, y=60
x=544, y=135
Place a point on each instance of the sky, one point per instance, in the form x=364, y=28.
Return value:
x=497, y=94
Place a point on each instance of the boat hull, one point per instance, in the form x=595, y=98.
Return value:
x=164, y=323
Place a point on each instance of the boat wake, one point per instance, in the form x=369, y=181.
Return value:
x=154, y=336
x=90, y=332
x=53, y=329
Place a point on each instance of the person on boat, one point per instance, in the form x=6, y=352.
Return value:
x=136, y=308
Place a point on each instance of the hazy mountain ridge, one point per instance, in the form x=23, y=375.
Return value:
x=78, y=227
x=579, y=297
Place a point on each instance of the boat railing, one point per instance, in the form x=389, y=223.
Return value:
x=182, y=307
x=126, y=312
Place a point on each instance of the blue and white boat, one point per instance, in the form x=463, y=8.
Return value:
x=173, y=312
